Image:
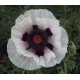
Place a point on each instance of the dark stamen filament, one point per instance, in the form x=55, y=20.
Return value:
x=35, y=27
x=48, y=32
x=25, y=36
x=50, y=46
x=29, y=47
x=39, y=53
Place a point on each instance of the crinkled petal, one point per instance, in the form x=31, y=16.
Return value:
x=19, y=29
x=44, y=23
x=64, y=38
x=44, y=60
x=48, y=55
x=21, y=47
x=19, y=19
x=56, y=30
x=51, y=63
x=61, y=52
x=16, y=34
x=39, y=13
x=37, y=60
x=20, y=60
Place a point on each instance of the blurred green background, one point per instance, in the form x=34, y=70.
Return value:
x=69, y=17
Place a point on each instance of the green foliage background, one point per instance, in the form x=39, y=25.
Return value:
x=69, y=17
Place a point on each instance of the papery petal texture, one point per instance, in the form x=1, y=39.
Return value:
x=20, y=60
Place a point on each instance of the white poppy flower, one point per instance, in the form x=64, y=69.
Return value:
x=37, y=40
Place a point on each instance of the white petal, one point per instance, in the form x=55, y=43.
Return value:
x=20, y=60
x=20, y=44
x=41, y=61
x=61, y=52
x=17, y=32
x=44, y=60
x=19, y=29
x=21, y=47
x=39, y=13
x=44, y=23
x=37, y=60
x=56, y=30
x=64, y=38
x=51, y=63
x=48, y=55
x=19, y=19
x=48, y=60
x=35, y=13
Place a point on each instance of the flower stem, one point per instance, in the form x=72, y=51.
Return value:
x=65, y=69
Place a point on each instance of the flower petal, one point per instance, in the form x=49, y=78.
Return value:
x=20, y=60
x=19, y=19
x=41, y=61
x=48, y=55
x=39, y=13
x=56, y=30
x=64, y=38
x=51, y=63
x=44, y=23
x=19, y=29
x=44, y=60
x=21, y=47
x=61, y=52
x=37, y=60
x=16, y=34
x=49, y=59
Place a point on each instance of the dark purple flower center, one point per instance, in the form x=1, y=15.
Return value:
x=38, y=40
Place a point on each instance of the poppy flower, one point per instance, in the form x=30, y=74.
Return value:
x=37, y=40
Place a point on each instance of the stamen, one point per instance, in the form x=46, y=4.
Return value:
x=29, y=47
x=39, y=53
x=50, y=46
x=25, y=36
x=35, y=27
x=48, y=32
